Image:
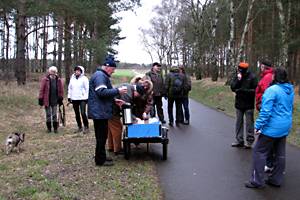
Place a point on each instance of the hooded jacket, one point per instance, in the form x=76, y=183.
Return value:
x=158, y=83
x=264, y=83
x=275, y=116
x=78, y=88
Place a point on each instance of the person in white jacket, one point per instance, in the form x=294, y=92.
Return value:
x=78, y=92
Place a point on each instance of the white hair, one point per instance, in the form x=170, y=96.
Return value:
x=52, y=69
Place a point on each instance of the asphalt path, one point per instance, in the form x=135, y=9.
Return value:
x=202, y=165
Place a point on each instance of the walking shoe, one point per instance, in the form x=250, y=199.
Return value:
x=163, y=121
x=78, y=130
x=237, y=144
x=248, y=184
x=86, y=131
x=268, y=182
x=186, y=122
x=268, y=170
x=247, y=146
x=105, y=164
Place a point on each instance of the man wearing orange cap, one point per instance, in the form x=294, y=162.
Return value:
x=244, y=84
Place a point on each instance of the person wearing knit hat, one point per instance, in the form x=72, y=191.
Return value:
x=100, y=107
x=244, y=84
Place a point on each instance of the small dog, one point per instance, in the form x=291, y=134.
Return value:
x=14, y=140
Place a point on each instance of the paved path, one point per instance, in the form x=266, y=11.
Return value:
x=202, y=165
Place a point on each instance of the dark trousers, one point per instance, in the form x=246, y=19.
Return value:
x=51, y=113
x=101, y=131
x=157, y=103
x=260, y=154
x=185, y=103
x=179, y=112
x=79, y=107
x=239, y=126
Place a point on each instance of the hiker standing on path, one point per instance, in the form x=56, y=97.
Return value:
x=185, y=97
x=78, y=93
x=244, y=85
x=100, y=101
x=51, y=94
x=156, y=77
x=265, y=81
x=175, y=82
x=273, y=125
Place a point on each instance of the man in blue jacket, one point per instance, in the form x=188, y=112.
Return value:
x=273, y=125
x=100, y=102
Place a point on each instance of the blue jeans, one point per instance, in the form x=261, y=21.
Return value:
x=185, y=103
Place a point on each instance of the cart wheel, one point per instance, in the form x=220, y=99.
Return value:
x=126, y=150
x=165, y=150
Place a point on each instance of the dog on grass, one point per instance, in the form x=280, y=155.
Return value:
x=14, y=140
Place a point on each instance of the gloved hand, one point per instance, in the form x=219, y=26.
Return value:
x=69, y=100
x=60, y=101
x=41, y=102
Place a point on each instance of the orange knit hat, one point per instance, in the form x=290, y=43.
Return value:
x=243, y=65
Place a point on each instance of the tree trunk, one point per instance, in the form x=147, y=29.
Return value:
x=284, y=34
x=45, y=42
x=215, y=67
x=20, y=71
x=67, y=53
x=230, y=54
x=241, y=52
x=60, y=44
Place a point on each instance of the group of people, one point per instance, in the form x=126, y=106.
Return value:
x=143, y=94
x=273, y=98
x=51, y=96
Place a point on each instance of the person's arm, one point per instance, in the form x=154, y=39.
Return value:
x=42, y=91
x=102, y=90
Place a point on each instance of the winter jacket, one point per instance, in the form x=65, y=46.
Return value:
x=244, y=91
x=101, y=96
x=170, y=79
x=142, y=104
x=158, y=83
x=78, y=88
x=263, y=84
x=45, y=90
x=275, y=116
x=187, y=86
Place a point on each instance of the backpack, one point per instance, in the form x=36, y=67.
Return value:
x=177, y=85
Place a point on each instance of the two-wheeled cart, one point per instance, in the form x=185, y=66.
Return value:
x=145, y=133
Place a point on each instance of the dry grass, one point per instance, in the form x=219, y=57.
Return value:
x=60, y=166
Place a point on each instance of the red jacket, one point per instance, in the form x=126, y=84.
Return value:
x=45, y=89
x=263, y=84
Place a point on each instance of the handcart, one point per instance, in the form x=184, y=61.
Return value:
x=145, y=133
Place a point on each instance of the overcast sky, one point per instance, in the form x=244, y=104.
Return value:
x=131, y=49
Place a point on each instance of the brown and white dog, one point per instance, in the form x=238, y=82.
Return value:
x=14, y=140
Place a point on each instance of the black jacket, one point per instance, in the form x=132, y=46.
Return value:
x=244, y=90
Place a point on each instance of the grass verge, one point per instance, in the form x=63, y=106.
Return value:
x=61, y=166
x=219, y=96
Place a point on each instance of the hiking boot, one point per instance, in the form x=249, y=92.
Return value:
x=251, y=185
x=48, y=127
x=55, y=127
x=237, y=144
